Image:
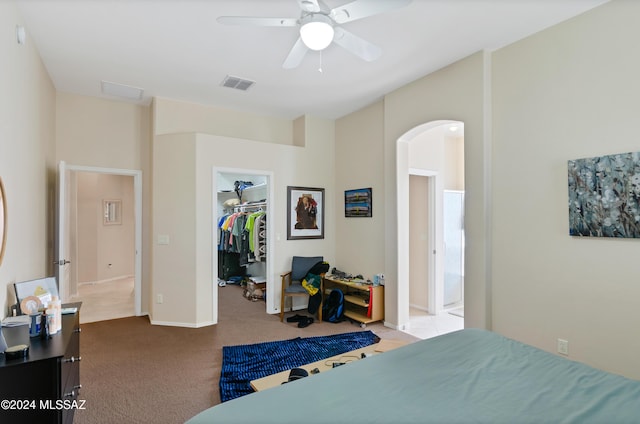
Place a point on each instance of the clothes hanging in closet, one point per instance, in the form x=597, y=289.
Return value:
x=244, y=233
x=260, y=237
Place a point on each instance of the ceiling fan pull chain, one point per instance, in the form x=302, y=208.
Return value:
x=320, y=67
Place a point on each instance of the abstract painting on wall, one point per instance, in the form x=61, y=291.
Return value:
x=604, y=196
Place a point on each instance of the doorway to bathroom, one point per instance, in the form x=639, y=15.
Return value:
x=431, y=231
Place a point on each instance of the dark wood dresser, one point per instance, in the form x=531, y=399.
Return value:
x=44, y=387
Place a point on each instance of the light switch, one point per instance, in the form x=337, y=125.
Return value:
x=163, y=239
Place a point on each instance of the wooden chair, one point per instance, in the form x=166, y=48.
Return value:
x=292, y=281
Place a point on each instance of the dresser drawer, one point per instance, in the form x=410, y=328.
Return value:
x=70, y=373
x=70, y=362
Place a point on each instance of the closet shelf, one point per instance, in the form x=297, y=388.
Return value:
x=252, y=188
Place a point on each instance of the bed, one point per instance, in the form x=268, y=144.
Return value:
x=468, y=376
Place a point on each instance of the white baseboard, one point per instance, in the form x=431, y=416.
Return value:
x=182, y=324
x=401, y=327
x=418, y=307
x=121, y=277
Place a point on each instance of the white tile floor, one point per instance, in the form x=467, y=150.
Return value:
x=106, y=300
x=424, y=326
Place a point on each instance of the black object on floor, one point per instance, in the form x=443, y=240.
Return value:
x=305, y=322
x=296, y=374
x=296, y=318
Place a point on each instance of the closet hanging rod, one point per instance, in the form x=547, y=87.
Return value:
x=256, y=205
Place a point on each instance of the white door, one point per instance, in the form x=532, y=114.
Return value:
x=62, y=253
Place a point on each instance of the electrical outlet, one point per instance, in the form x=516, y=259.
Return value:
x=159, y=298
x=563, y=347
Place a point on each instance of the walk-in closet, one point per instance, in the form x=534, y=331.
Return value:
x=241, y=225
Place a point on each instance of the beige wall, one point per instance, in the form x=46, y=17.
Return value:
x=457, y=92
x=568, y=92
x=184, y=174
x=174, y=264
x=172, y=116
x=27, y=158
x=102, y=133
x=108, y=134
x=359, y=155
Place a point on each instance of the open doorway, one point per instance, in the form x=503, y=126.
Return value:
x=101, y=236
x=242, y=218
x=104, y=242
x=430, y=237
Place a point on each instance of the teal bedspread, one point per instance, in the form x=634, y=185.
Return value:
x=470, y=376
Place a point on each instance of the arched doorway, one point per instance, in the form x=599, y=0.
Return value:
x=430, y=172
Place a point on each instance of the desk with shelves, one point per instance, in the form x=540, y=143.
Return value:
x=363, y=302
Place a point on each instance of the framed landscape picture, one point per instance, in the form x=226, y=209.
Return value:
x=357, y=203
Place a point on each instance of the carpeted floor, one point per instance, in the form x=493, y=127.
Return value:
x=135, y=372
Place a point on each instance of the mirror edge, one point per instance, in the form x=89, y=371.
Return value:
x=3, y=218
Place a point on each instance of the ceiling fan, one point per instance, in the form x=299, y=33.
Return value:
x=319, y=26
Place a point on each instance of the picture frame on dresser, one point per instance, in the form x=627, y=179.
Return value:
x=42, y=288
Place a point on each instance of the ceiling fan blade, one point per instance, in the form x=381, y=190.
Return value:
x=257, y=21
x=359, y=9
x=356, y=45
x=295, y=56
x=310, y=6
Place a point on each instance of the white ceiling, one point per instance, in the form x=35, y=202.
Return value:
x=176, y=49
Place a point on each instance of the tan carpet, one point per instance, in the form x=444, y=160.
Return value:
x=135, y=372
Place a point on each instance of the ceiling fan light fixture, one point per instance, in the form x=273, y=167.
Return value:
x=317, y=32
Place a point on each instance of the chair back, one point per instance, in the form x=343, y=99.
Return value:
x=300, y=266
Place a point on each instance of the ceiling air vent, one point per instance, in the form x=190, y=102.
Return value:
x=237, y=83
x=120, y=90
